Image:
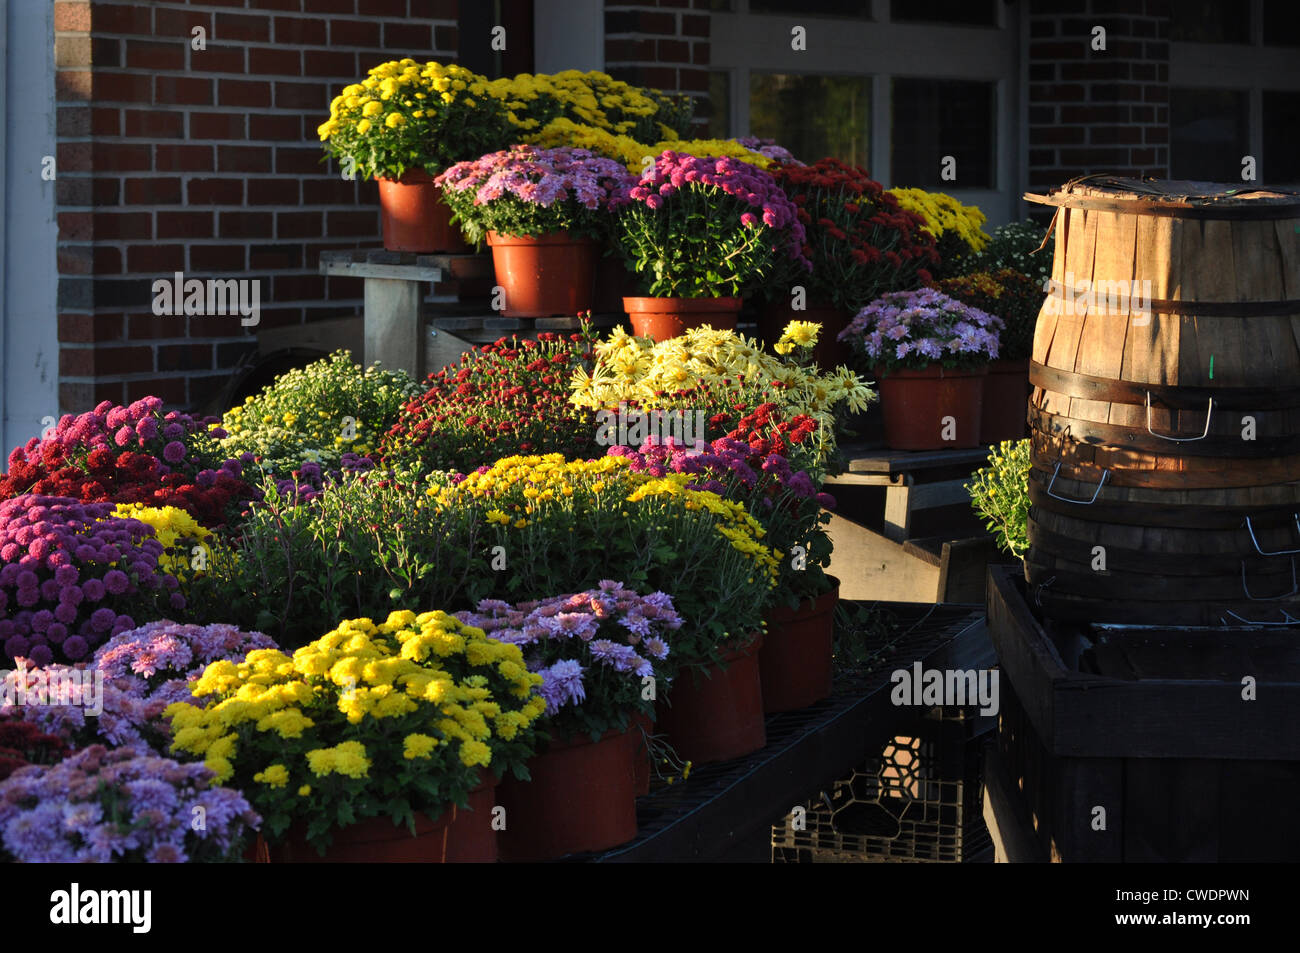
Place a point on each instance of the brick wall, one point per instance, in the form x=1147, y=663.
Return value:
x=207, y=162
x=663, y=44
x=1098, y=111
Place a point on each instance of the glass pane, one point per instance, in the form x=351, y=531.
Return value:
x=1281, y=23
x=933, y=118
x=1208, y=137
x=716, y=110
x=1210, y=21
x=813, y=116
x=824, y=8
x=1281, y=160
x=970, y=12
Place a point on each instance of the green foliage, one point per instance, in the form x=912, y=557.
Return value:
x=1014, y=246
x=999, y=493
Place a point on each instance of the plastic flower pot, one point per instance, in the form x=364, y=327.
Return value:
x=717, y=714
x=795, y=661
x=414, y=217
x=455, y=836
x=1006, y=402
x=663, y=318
x=828, y=353
x=544, y=275
x=580, y=798
x=642, y=728
x=933, y=408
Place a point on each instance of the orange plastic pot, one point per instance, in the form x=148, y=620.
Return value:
x=455, y=836
x=415, y=218
x=663, y=318
x=795, y=661
x=716, y=715
x=934, y=408
x=828, y=353
x=544, y=275
x=642, y=727
x=1006, y=402
x=580, y=798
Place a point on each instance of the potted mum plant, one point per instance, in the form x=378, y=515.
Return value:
x=700, y=234
x=402, y=125
x=931, y=354
x=861, y=244
x=596, y=652
x=546, y=213
x=369, y=743
x=1015, y=298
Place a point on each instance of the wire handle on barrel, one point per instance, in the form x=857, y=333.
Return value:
x=1208, y=414
x=1066, y=499
x=1288, y=620
x=1281, y=552
x=1295, y=585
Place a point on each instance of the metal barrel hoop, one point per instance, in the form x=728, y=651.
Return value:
x=1281, y=552
x=1295, y=585
x=1208, y=414
x=1065, y=499
x=1288, y=620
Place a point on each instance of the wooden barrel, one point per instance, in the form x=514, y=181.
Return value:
x=1165, y=414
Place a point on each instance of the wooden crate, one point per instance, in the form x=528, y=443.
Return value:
x=1148, y=725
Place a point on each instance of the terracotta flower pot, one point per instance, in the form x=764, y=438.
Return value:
x=828, y=352
x=717, y=715
x=455, y=836
x=1006, y=399
x=642, y=727
x=923, y=407
x=544, y=275
x=580, y=798
x=795, y=661
x=664, y=318
x=415, y=218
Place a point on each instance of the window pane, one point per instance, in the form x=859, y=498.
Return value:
x=1281, y=160
x=813, y=116
x=1208, y=137
x=1281, y=23
x=1210, y=21
x=825, y=8
x=934, y=118
x=973, y=12
x=716, y=110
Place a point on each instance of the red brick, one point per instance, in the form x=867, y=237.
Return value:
x=171, y=390
x=155, y=258
x=216, y=125
x=219, y=59
x=297, y=287
x=185, y=357
x=329, y=63
x=153, y=124
x=1056, y=92
x=300, y=31
x=184, y=225
x=119, y=157
x=72, y=122
x=180, y=23
x=319, y=7
x=297, y=225
x=243, y=93
x=79, y=362
x=72, y=16
x=120, y=225
x=76, y=260
x=245, y=225
x=273, y=191
x=73, y=190
x=73, y=86
x=217, y=258
x=183, y=158
x=278, y=128
x=1059, y=49
x=288, y=6
x=72, y=51
x=1057, y=135
x=150, y=327
x=1115, y=135
x=435, y=9
x=1156, y=134
x=105, y=121
x=693, y=24
x=153, y=191
x=701, y=54
x=354, y=33
x=274, y=257
x=108, y=260
x=628, y=50
x=183, y=91
x=125, y=18
x=294, y=161
x=693, y=80
x=385, y=8
x=1155, y=94
x=275, y=62
x=242, y=27
x=243, y=159
x=329, y=191
x=673, y=51
x=1114, y=113
x=407, y=35
x=85, y=329
x=313, y=96
x=121, y=87
x=156, y=56
x=74, y=156
x=338, y=224
x=446, y=38
x=215, y=191
x=1094, y=157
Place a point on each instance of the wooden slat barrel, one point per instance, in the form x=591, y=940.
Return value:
x=1165, y=415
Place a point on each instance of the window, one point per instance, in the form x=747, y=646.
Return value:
x=1281, y=23
x=1210, y=21
x=1208, y=134
x=963, y=12
x=1281, y=161
x=819, y=8
x=936, y=118
x=716, y=110
x=813, y=116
